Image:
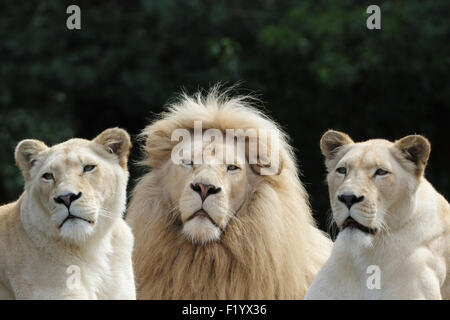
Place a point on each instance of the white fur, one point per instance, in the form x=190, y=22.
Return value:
x=411, y=247
x=262, y=244
x=37, y=258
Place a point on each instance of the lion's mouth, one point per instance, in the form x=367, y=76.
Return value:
x=73, y=217
x=352, y=223
x=202, y=214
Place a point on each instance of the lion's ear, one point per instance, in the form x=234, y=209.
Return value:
x=266, y=159
x=416, y=149
x=116, y=141
x=26, y=153
x=267, y=168
x=331, y=141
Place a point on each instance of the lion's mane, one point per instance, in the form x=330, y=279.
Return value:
x=270, y=250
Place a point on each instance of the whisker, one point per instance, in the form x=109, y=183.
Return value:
x=105, y=215
x=384, y=230
x=332, y=228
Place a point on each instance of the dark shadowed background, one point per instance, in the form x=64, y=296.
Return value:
x=314, y=64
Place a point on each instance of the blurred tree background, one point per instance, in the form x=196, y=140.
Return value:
x=314, y=64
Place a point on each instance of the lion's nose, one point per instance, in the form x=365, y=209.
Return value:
x=350, y=199
x=204, y=190
x=67, y=199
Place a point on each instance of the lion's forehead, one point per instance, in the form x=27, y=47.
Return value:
x=369, y=154
x=67, y=156
x=215, y=151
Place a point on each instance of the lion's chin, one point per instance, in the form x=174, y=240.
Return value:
x=352, y=223
x=201, y=230
x=356, y=239
x=76, y=230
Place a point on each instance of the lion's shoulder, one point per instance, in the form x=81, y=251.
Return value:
x=122, y=234
x=9, y=221
x=8, y=209
x=12, y=235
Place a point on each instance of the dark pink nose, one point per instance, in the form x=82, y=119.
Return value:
x=204, y=190
x=67, y=199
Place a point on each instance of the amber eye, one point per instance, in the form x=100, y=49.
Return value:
x=232, y=167
x=342, y=170
x=48, y=176
x=89, y=167
x=381, y=172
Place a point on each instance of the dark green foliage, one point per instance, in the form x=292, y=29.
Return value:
x=314, y=63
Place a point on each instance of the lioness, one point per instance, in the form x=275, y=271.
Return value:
x=65, y=237
x=394, y=240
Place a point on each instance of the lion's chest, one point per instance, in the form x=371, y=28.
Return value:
x=98, y=280
x=41, y=275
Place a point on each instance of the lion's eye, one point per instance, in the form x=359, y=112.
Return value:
x=89, y=167
x=48, y=176
x=342, y=170
x=232, y=167
x=381, y=172
x=187, y=163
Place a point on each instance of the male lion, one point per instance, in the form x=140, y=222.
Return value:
x=394, y=241
x=65, y=237
x=216, y=229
